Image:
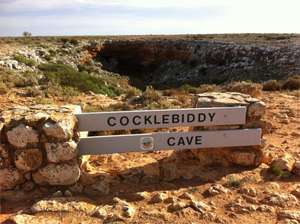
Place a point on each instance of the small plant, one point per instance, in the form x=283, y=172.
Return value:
x=233, y=182
x=277, y=171
x=132, y=92
x=150, y=95
x=3, y=88
x=292, y=83
x=26, y=34
x=271, y=85
x=23, y=59
x=188, y=88
x=33, y=92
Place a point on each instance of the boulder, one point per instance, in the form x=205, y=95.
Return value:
x=57, y=174
x=22, y=136
x=289, y=214
x=284, y=163
x=60, y=130
x=255, y=107
x=28, y=159
x=10, y=178
x=281, y=199
x=59, y=152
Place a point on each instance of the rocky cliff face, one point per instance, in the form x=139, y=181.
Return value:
x=166, y=63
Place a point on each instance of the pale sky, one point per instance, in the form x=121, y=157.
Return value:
x=114, y=17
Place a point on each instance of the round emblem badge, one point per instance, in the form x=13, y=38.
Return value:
x=147, y=143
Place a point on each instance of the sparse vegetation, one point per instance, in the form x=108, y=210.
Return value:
x=150, y=95
x=233, y=182
x=132, y=92
x=292, y=83
x=23, y=59
x=66, y=75
x=278, y=172
x=271, y=85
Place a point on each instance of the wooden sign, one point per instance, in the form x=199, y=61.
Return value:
x=122, y=120
x=169, y=140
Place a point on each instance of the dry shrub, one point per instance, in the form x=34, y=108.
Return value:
x=151, y=95
x=3, y=88
x=292, y=83
x=271, y=85
x=208, y=88
x=252, y=89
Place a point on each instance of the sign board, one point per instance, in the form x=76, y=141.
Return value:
x=122, y=120
x=169, y=140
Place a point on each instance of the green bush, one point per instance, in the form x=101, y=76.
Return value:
x=66, y=75
x=271, y=85
x=292, y=83
x=22, y=59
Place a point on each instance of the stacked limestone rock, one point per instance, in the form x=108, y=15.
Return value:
x=244, y=156
x=38, y=147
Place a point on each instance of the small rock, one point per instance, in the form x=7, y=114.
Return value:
x=239, y=207
x=57, y=194
x=102, y=187
x=186, y=196
x=265, y=208
x=248, y=191
x=128, y=211
x=22, y=136
x=142, y=195
x=176, y=206
x=102, y=212
x=59, y=152
x=158, y=197
x=62, y=130
x=57, y=174
x=63, y=205
x=282, y=200
x=284, y=163
x=28, y=186
x=289, y=214
x=296, y=168
x=216, y=189
x=10, y=178
x=123, y=208
x=28, y=159
x=68, y=193
x=296, y=191
x=200, y=206
x=171, y=199
x=76, y=188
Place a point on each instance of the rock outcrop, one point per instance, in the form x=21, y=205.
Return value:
x=173, y=63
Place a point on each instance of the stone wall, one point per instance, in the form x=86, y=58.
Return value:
x=38, y=147
x=39, y=155
x=244, y=156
